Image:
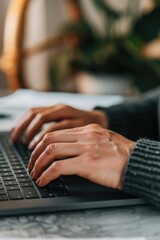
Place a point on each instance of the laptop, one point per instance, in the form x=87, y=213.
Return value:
x=20, y=195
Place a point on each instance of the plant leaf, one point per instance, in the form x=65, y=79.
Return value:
x=106, y=9
x=148, y=26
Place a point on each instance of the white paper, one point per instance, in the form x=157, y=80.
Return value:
x=31, y=98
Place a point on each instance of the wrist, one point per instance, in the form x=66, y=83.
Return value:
x=101, y=118
x=130, y=146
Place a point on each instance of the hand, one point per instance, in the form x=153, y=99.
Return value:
x=63, y=116
x=91, y=152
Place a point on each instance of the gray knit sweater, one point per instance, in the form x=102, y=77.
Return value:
x=139, y=120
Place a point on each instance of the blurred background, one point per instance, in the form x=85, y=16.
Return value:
x=84, y=46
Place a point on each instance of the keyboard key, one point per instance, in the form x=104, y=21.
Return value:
x=1, y=187
x=6, y=174
x=18, y=167
x=26, y=184
x=61, y=192
x=3, y=197
x=26, y=179
x=3, y=170
x=15, y=195
x=46, y=192
x=4, y=165
x=9, y=178
x=22, y=175
x=30, y=192
x=10, y=188
x=2, y=192
x=10, y=183
x=18, y=171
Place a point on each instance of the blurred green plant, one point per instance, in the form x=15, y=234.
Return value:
x=113, y=53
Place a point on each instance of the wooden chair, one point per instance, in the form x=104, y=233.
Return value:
x=11, y=61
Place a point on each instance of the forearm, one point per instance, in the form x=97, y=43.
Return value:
x=142, y=175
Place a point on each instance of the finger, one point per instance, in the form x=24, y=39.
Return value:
x=58, y=136
x=51, y=153
x=20, y=126
x=63, y=125
x=36, y=124
x=56, y=113
x=23, y=122
x=69, y=166
x=53, y=137
x=68, y=135
x=38, y=138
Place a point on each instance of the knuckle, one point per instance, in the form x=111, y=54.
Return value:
x=91, y=157
x=46, y=137
x=57, y=166
x=31, y=111
x=90, y=148
x=50, y=148
x=92, y=135
x=62, y=106
x=40, y=117
x=94, y=126
x=65, y=107
x=37, y=166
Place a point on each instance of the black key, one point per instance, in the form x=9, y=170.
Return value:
x=30, y=192
x=2, y=192
x=9, y=178
x=3, y=170
x=15, y=195
x=21, y=175
x=3, y=198
x=10, y=188
x=4, y=165
x=26, y=184
x=1, y=187
x=2, y=162
x=56, y=182
x=10, y=183
x=6, y=174
x=14, y=161
x=26, y=179
x=62, y=193
x=15, y=164
x=19, y=171
x=17, y=167
x=46, y=192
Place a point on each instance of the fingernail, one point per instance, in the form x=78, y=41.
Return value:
x=29, y=168
x=31, y=145
x=38, y=182
x=32, y=174
x=29, y=163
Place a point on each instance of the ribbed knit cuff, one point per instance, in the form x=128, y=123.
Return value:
x=142, y=175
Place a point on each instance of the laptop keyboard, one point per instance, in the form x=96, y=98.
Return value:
x=15, y=181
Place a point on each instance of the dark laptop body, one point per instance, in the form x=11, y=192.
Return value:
x=67, y=193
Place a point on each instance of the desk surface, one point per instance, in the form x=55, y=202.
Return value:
x=111, y=222
x=130, y=221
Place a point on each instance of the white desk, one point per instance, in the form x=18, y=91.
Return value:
x=112, y=222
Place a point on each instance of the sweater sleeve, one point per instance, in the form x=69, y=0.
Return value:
x=136, y=118
x=142, y=175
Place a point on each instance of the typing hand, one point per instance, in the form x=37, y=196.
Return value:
x=91, y=152
x=63, y=116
